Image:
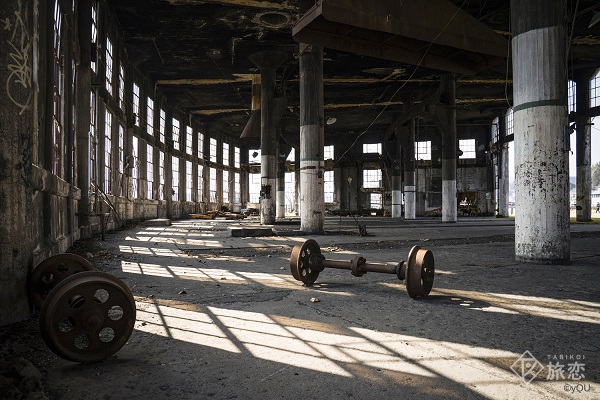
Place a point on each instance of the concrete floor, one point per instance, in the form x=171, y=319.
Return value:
x=222, y=317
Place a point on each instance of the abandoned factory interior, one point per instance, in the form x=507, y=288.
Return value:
x=252, y=199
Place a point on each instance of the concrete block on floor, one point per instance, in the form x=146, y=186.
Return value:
x=253, y=232
x=158, y=222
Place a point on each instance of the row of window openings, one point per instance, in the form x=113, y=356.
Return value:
x=422, y=151
x=371, y=179
x=150, y=172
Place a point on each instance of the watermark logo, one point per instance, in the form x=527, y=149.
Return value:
x=527, y=367
x=559, y=367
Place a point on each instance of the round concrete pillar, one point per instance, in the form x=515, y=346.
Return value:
x=540, y=120
x=312, y=140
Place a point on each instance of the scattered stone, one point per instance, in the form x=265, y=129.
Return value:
x=89, y=255
x=282, y=268
x=30, y=385
x=223, y=278
x=150, y=296
x=25, y=368
x=183, y=292
x=314, y=300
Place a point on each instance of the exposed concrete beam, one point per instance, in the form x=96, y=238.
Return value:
x=219, y=111
x=267, y=5
x=353, y=105
x=405, y=32
x=201, y=82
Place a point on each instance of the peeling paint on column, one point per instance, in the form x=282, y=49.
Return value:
x=312, y=200
x=397, y=201
x=268, y=181
x=540, y=116
x=410, y=201
x=449, y=201
x=312, y=140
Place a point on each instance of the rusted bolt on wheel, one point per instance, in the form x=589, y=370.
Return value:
x=306, y=262
x=86, y=315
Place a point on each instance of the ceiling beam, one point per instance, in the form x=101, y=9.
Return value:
x=431, y=33
x=266, y=5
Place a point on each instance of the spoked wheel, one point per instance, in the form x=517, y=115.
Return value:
x=51, y=271
x=87, y=317
x=303, y=269
x=420, y=272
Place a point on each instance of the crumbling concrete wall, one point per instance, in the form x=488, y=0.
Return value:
x=16, y=142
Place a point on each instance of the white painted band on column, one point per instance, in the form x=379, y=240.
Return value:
x=410, y=189
x=410, y=203
x=542, y=186
x=396, y=203
x=449, y=202
x=312, y=200
x=280, y=204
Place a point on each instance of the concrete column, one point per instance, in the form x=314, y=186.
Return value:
x=268, y=61
x=584, y=149
x=312, y=139
x=82, y=109
x=541, y=151
x=410, y=190
x=397, y=178
x=449, y=144
x=503, y=177
x=282, y=153
x=16, y=127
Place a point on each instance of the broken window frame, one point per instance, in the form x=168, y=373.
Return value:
x=108, y=152
x=149, y=116
x=189, y=181
x=175, y=178
x=212, y=189
x=372, y=178
x=162, y=125
x=149, y=171
x=189, y=140
x=329, y=186
x=135, y=171
x=161, y=175
x=175, y=133
x=423, y=150
x=108, y=71
x=468, y=148
x=213, y=150
x=136, y=104
x=225, y=187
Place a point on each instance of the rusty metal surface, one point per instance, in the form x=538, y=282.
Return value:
x=420, y=272
x=305, y=262
x=88, y=317
x=51, y=271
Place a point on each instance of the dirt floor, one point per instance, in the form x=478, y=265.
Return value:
x=222, y=317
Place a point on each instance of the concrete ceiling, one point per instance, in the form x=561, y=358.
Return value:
x=197, y=53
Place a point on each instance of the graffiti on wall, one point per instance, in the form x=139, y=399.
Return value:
x=19, y=81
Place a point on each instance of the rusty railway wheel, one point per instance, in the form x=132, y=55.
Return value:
x=52, y=271
x=303, y=261
x=420, y=272
x=87, y=317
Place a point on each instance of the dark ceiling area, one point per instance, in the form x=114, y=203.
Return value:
x=198, y=54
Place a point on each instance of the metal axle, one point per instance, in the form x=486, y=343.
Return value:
x=306, y=262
